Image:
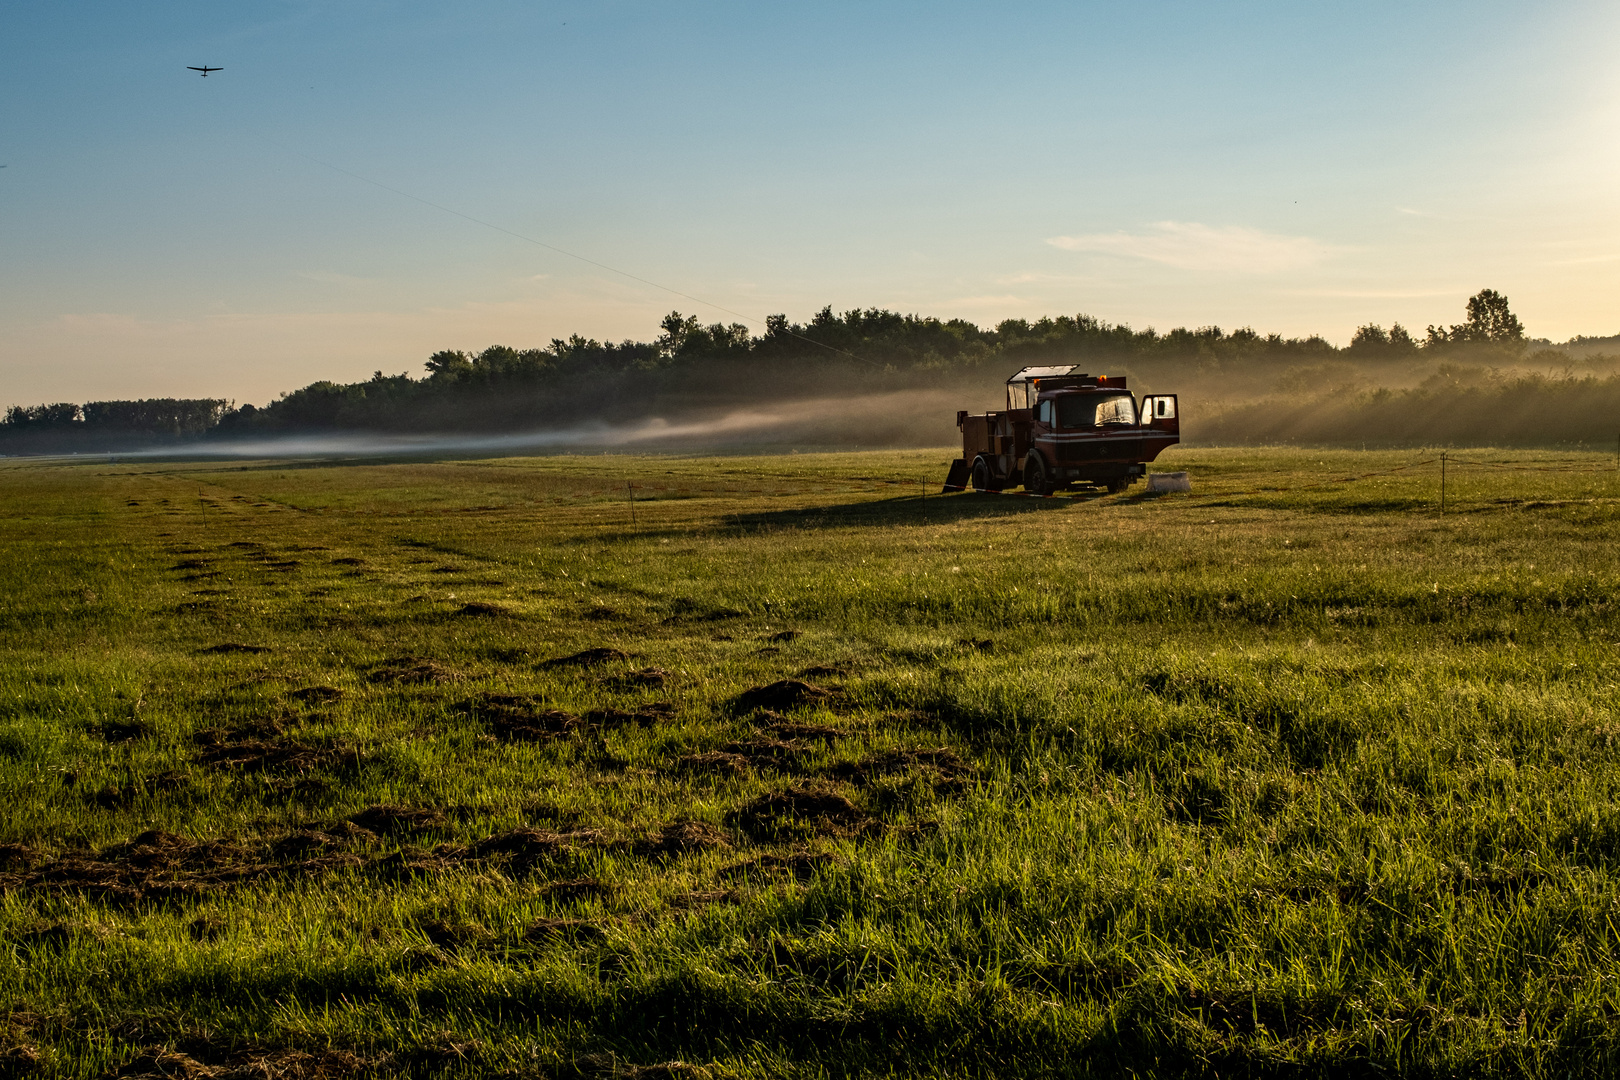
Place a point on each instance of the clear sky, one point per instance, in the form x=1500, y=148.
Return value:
x=1299, y=167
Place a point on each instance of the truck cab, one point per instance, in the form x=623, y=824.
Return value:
x=1063, y=427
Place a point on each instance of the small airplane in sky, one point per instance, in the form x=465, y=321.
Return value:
x=204, y=70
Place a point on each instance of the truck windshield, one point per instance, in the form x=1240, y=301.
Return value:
x=1094, y=410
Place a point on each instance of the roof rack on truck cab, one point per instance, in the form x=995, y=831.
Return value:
x=1026, y=383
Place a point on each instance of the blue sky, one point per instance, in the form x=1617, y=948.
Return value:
x=1295, y=167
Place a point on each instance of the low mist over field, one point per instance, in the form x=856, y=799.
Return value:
x=876, y=378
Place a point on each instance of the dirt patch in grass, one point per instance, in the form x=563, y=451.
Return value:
x=686, y=611
x=577, y=888
x=124, y=731
x=316, y=695
x=16, y=856
x=386, y=820
x=718, y=762
x=52, y=936
x=226, y=647
x=781, y=636
x=588, y=658
x=454, y=935
x=654, y=712
x=334, y=837
x=943, y=767
x=763, y=751
x=780, y=696
x=217, y=1064
x=264, y=746
x=648, y=678
x=159, y=866
x=520, y=718
x=544, y=930
x=800, y=809
x=524, y=849
x=413, y=671
x=786, y=729
x=680, y=837
x=114, y=796
x=603, y=1067
x=153, y=864
x=484, y=609
x=704, y=898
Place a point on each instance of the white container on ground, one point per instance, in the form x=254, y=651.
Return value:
x=1168, y=481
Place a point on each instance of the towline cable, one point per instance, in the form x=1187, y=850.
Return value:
x=581, y=258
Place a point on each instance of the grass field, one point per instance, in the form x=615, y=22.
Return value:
x=324, y=769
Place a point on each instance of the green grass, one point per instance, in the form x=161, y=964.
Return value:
x=1290, y=775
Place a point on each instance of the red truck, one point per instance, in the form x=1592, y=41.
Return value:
x=1063, y=427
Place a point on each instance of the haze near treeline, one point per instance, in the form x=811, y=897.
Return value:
x=878, y=378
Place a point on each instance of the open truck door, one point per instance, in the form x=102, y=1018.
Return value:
x=1159, y=413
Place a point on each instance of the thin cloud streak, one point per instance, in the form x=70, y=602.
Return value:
x=1378, y=294
x=1193, y=246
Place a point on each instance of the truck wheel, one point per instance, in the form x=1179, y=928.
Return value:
x=984, y=477
x=1035, y=478
x=1118, y=484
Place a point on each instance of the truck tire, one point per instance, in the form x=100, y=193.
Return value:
x=1036, y=481
x=1118, y=484
x=984, y=477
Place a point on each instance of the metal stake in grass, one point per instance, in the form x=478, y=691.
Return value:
x=1442, y=481
x=631, y=492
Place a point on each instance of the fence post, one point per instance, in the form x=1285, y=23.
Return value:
x=1442, y=481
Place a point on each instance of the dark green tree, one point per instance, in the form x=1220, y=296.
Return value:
x=1490, y=322
x=1376, y=343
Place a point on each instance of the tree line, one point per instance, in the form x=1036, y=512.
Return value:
x=96, y=425
x=690, y=364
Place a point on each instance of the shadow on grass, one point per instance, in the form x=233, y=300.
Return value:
x=932, y=510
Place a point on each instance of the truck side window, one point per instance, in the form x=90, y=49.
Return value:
x=1164, y=408
x=1045, y=412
